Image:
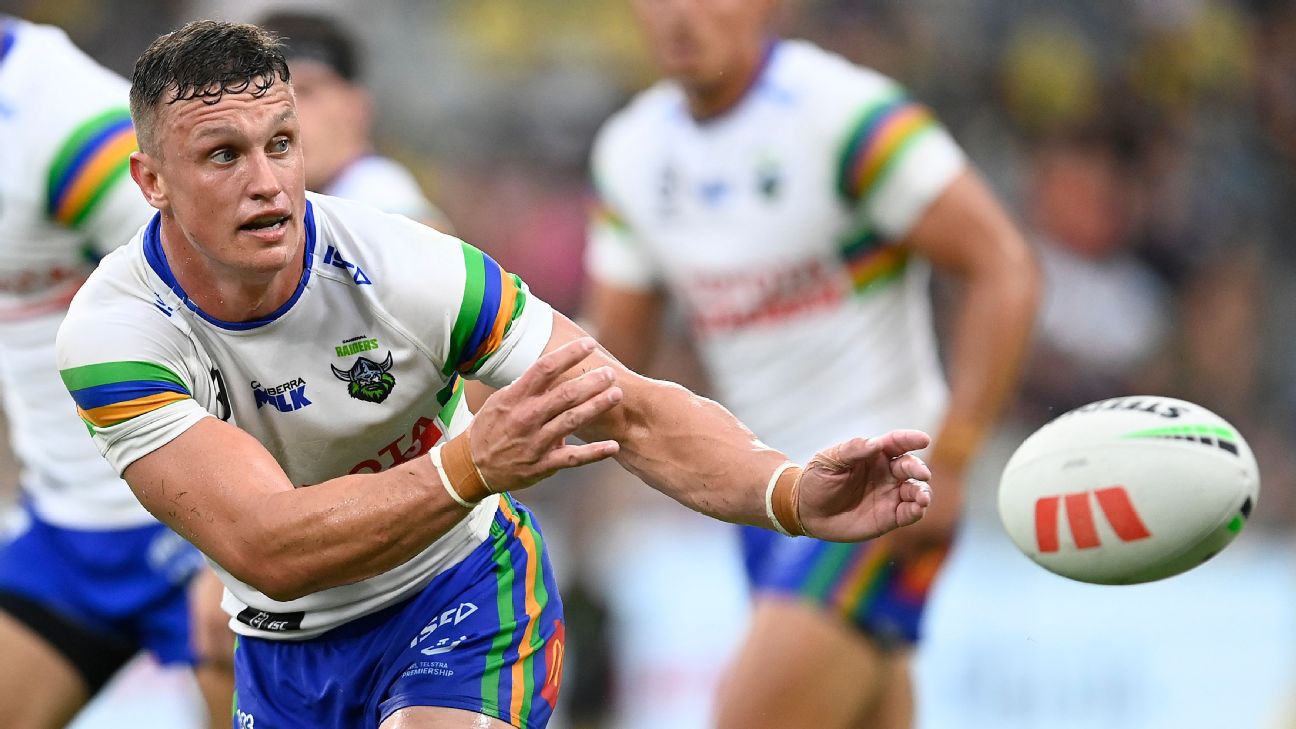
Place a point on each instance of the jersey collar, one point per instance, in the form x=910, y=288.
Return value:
x=157, y=260
x=8, y=34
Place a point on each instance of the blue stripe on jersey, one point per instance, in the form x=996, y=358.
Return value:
x=489, y=311
x=89, y=148
x=112, y=393
x=156, y=258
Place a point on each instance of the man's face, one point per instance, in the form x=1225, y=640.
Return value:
x=700, y=42
x=229, y=174
x=330, y=108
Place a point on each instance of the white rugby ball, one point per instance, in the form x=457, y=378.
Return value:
x=1128, y=490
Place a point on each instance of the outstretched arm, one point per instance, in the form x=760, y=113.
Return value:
x=696, y=452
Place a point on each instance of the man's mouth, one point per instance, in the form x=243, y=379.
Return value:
x=266, y=222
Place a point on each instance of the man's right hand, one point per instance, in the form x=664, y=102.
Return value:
x=519, y=435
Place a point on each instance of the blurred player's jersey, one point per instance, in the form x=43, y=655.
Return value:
x=66, y=197
x=387, y=185
x=777, y=226
x=360, y=370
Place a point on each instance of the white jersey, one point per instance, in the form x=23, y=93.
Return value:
x=387, y=185
x=65, y=198
x=359, y=371
x=776, y=226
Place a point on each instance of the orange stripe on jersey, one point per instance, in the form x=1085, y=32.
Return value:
x=521, y=685
x=882, y=150
x=92, y=179
x=109, y=415
x=508, y=298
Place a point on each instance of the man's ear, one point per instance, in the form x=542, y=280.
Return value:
x=144, y=170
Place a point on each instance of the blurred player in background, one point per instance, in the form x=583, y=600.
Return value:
x=793, y=204
x=89, y=578
x=336, y=115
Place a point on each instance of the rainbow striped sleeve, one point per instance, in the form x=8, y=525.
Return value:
x=603, y=214
x=884, y=132
x=111, y=393
x=492, y=300
x=89, y=163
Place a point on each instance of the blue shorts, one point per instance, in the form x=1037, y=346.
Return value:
x=861, y=583
x=485, y=636
x=124, y=585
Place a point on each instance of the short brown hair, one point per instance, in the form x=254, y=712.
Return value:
x=205, y=59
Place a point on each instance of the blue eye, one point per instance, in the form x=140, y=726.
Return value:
x=223, y=156
x=280, y=144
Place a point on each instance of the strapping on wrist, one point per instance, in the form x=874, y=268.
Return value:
x=783, y=500
x=459, y=474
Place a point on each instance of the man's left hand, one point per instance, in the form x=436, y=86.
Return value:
x=865, y=487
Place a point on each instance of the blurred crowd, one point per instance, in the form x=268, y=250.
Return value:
x=1148, y=147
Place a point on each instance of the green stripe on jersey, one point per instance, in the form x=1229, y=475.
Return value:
x=469, y=307
x=74, y=143
x=507, y=620
x=854, y=139
x=106, y=373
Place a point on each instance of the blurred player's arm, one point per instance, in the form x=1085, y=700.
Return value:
x=626, y=321
x=218, y=487
x=624, y=304
x=967, y=233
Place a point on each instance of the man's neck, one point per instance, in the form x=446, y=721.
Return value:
x=708, y=101
x=220, y=291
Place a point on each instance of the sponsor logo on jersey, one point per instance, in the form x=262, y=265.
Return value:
x=725, y=301
x=271, y=622
x=713, y=192
x=425, y=433
x=554, y=655
x=355, y=345
x=769, y=180
x=333, y=258
x=368, y=380
x=161, y=305
x=244, y=720
x=667, y=189
x=444, y=644
x=1116, y=507
x=285, y=398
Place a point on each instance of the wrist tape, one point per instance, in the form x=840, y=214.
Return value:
x=459, y=474
x=782, y=500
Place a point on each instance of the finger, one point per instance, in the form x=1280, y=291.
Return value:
x=898, y=442
x=855, y=450
x=909, y=512
x=910, y=466
x=916, y=492
x=571, y=456
x=573, y=419
x=542, y=373
x=574, y=392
